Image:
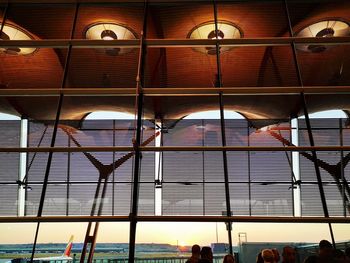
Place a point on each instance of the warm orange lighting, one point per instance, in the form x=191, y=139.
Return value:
x=208, y=30
x=325, y=28
x=182, y=243
x=108, y=35
x=11, y=32
x=110, y=31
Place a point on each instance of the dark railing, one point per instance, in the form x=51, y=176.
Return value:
x=168, y=259
x=217, y=259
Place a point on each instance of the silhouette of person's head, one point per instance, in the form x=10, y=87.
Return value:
x=229, y=259
x=207, y=254
x=196, y=249
x=276, y=255
x=268, y=256
x=325, y=249
x=288, y=254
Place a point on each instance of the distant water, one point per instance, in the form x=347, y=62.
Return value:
x=3, y=260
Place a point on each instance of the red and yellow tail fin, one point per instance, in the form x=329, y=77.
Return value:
x=68, y=249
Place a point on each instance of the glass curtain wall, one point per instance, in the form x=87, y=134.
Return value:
x=121, y=181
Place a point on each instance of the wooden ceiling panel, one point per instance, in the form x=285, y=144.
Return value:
x=175, y=67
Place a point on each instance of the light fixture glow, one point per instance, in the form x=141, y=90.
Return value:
x=216, y=34
x=108, y=35
x=325, y=28
x=11, y=32
x=110, y=31
x=208, y=30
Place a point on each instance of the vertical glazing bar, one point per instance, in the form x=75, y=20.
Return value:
x=342, y=167
x=292, y=177
x=203, y=167
x=53, y=138
x=223, y=133
x=249, y=172
x=161, y=170
x=26, y=176
x=308, y=125
x=68, y=175
x=137, y=140
x=113, y=174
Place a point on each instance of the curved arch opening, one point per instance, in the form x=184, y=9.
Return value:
x=214, y=115
x=8, y=117
x=328, y=114
x=109, y=115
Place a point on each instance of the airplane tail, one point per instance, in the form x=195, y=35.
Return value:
x=68, y=249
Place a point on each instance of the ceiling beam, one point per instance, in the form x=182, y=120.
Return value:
x=160, y=43
x=196, y=92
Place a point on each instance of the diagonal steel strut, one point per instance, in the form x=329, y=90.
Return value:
x=104, y=172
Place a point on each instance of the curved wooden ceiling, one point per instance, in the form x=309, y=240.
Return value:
x=175, y=67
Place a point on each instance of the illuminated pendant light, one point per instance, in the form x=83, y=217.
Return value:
x=208, y=30
x=110, y=31
x=325, y=28
x=11, y=32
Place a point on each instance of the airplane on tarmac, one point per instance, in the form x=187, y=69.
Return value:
x=61, y=259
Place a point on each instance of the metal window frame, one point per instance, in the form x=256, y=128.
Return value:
x=139, y=92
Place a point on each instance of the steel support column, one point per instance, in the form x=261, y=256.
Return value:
x=223, y=133
x=308, y=125
x=54, y=134
x=137, y=139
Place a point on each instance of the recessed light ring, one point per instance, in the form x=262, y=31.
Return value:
x=14, y=32
x=110, y=31
x=208, y=30
x=327, y=27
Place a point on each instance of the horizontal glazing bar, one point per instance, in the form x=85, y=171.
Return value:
x=70, y=91
x=156, y=43
x=174, y=182
x=178, y=148
x=102, y=1
x=252, y=219
x=178, y=91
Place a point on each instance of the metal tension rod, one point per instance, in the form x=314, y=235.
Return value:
x=53, y=138
x=218, y=84
x=137, y=140
x=309, y=129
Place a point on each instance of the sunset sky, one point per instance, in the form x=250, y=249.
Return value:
x=171, y=233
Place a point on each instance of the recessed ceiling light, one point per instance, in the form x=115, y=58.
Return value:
x=325, y=28
x=110, y=31
x=108, y=35
x=207, y=30
x=11, y=32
